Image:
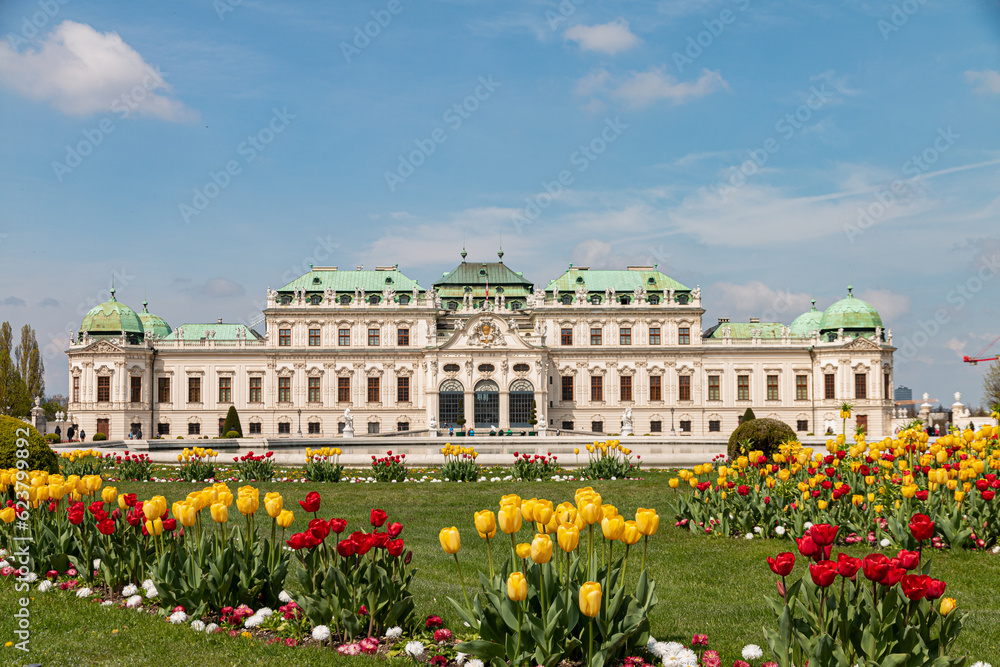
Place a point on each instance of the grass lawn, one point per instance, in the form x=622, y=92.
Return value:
x=705, y=585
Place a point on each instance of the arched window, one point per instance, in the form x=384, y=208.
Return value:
x=453, y=305
x=625, y=300
x=315, y=299
x=285, y=300
x=515, y=305
x=487, y=404
x=683, y=299
x=522, y=395
x=404, y=299
x=345, y=299
x=374, y=299
x=595, y=299
x=654, y=299
x=566, y=299
x=451, y=402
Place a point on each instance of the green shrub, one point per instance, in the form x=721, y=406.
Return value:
x=232, y=423
x=748, y=415
x=53, y=438
x=233, y=434
x=40, y=455
x=759, y=434
x=98, y=437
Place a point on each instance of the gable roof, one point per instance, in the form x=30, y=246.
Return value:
x=599, y=280
x=318, y=279
x=480, y=273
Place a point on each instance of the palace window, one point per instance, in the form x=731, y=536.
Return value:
x=886, y=386
x=314, y=428
x=656, y=426
x=772, y=387
x=655, y=388
x=402, y=390
x=373, y=428
x=521, y=368
x=162, y=390
x=596, y=387
x=566, y=299
x=284, y=337
x=135, y=389
x=714, y=426
x=714, y=390
x=163, y=429
x=626, y=387
x=373, y=338
x=654, y=300
x=860, y=385
x=225, y=390
x=345, y=300
x=625, y=336
x=801, y=387
x=373, y=390
x=76, y=389
x=255, y=428
x=802, y=425
x=595, y=300
x=194, y=390
x=684, y=336
x=451, y=368
x=742, y=387
x=343, y=390
x=685, y=425
x=103, y=389
x=567, y=387
x=284, y=390
x=194, y=429
x=403, y=337
x=315, y=390
x=595, y=336
x=654, y=335
x=625, y=300
x=284, y=427
x=314, y=338
x=566, y=336
x=567, y=426
x=684, y=388
x=829, y=386
x=402, y=426
x=344, y=337
x=255, y=390
x=597, y=427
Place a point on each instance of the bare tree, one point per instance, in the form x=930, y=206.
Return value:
x=29, y=362
x=991, y=385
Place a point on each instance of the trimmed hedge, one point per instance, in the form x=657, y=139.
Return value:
x=53, y=438
x=765, y=435
x=98, y=437
x=40, y=455
x=233, y=434
x=232, y=423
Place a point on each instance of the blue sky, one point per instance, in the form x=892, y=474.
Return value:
x=768, y=151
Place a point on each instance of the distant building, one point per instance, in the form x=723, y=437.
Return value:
x=902, y=393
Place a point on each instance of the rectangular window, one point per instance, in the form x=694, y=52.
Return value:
x=255, y=428
x=373, y=338
x=194, y=390
x=829, y=386
x=714, y=426
x=860, y=385
x=596, y=336
x=802, y=425
x=714, y=390
x=76, y=389
x=626, y=387
x=684, y=336
x=284, y=337
x=255, y=390
x=194, y=429
x=225, y=390
x=567, y=426
x=284, y=390
x=684, y=388
x=566, y=336
x=625, y=336
x=373, y=390
x=315, y=390
x=403, y=337
x=742, y=387
x=285, y=427
x=343, y=337
x=162, y=390
x=314, y=338
x=313, y=428
x=656, y=426
x=655, y=388
x=772, y=387
x=402, y=390
x=654, y=335
x=135, y=389
x=567, y=387
x=596, y=387
x=373, y=427
x=886, y=386
x=163, y=429
x=402, y=426
x=222, y=423
x=103, y=389
x=343, y=390
x=801, y=387
x=597, y=427
x=685, y=426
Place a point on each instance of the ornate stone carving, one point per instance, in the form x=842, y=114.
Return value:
x=487, y=333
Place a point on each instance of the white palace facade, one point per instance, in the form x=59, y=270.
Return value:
x=485, y=345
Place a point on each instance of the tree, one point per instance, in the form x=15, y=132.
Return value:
x=232, y=422
x=991, y=385
x=533, y=414
x=748, y=415
x=29, y=362
x=54, y=404
x=15, y=399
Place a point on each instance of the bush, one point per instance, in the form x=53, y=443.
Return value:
x=232, y=423
x=233, y=434
x=98, y=437
x=759, y=434
x=40, y=455
x=748, y=415
x=53, y=438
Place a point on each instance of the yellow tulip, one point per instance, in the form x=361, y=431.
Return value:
x=613, y=527
x=486, y=524
x=8, y=514
x=543, y=511
x=528, y=509
x=947, y=606
x=247, y=505
x=523, y=550
x=187, y=515
x=541, y=549
x=674, y=483
x=590, y=599
x=608, y=510
x=631, y=534
x=509, y=519
x=568, y=536
x=647, y=521
x=517, y=587
x=591, y=511
x=220, y=512
x=109, y=494
x=451, y=541
x=511, y=499
x=285, y=518
x=273, y=503
x=154, y=527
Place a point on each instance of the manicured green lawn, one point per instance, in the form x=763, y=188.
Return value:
x=705, y=585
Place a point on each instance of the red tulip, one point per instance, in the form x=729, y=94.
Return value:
x=338, y=525
x=915, y=586
x=935, y=589
x=106, y=527
x=378, y=518
x=394, y=529
x=875, y=566
x=921, y=527
x=346, y=548
x=75, y=514
x=296, y=541
x=823, y=534
x=824, y=573
x=783, y=564
x=892, y=576
x=847, y=566
x=169, y=525
x=311, y=539
x=908, y=560
x=807, y=547
x=395, y=548
x=311, y=503
x=989, y=495
x=130, y=499
x=320, y=528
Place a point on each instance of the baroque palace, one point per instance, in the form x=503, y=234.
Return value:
x=591, y=352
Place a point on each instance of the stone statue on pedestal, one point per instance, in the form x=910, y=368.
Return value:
x=348, y=423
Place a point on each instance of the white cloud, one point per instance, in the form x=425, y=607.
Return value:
x=610, y=38
x=986, y=82
x=653, y=85
x=890, y=305
x=741, y=301
x=592, y=83
x=81, y=71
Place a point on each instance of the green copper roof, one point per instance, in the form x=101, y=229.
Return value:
x=850, y=314
x=223, y=331
x=807, y=322
x=111, y=317
x=481, y=273
x=153, y=323
x=621, y=281
x=769, y=330
x=318, y=279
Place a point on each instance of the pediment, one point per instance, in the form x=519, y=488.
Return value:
x=103, y=347
x=863, y=344
x=486, y=331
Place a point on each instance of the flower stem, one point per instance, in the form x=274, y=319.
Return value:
x=462, y=581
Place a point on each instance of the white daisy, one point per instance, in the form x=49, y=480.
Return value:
x=252, y=621
x=107, y=603
x=198, y=625
x=460, y=658
x=416, y=649
x=779, y=530
x=475, y=662
x=807, y=525
x=4, y=563
x=83, y=592
x=151, y=592
x=264, y=612
x=885, y=542
x=285, y=597
x=982, y=663
x=211, y=627
x=748, y=536
x=147, y=584
x=752, y=652
x=30, y=578
x=178, y=617
x=321, y=633
x=394, y=633
x=133, y=601
x=97, y=563
x=130, y=590
x=44, y=586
